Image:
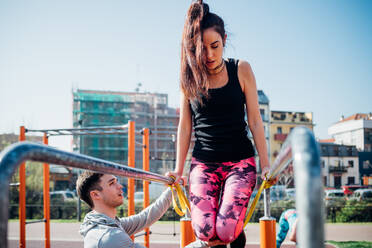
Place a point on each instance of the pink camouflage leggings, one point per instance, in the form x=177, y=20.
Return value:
x=214, y=217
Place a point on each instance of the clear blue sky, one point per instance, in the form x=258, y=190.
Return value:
x=309, y=56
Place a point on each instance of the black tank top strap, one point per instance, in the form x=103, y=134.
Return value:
x=232, y=68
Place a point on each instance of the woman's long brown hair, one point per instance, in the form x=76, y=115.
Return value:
x=194, y=79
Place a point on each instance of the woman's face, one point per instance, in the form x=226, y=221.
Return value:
x=213, y=48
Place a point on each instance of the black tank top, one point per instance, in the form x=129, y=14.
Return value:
x=219, y=124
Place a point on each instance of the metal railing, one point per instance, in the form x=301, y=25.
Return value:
x=20, y=152
x=302, y=149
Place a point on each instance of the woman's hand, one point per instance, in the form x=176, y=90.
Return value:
x=176, y=174
x=265, y=174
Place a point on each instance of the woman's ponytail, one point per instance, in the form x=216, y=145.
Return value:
x=194, y=79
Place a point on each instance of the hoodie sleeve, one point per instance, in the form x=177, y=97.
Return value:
x=149, y=215
x=116, y=238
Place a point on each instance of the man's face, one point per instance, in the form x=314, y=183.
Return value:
x=112, y=193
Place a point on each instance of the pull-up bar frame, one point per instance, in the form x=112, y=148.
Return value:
x=127, y=129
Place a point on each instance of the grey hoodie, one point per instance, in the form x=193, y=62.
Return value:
x=101, y=231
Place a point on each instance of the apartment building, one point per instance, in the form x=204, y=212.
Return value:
x=355, y=130
x=281, y=124
x=340, y=165
x=112, y=108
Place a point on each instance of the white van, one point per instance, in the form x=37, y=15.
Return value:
x=62, y=195
x=362, y=195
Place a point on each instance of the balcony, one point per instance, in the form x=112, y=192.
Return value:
x=280, y=136
x=337, y=169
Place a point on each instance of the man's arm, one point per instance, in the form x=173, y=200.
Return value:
x=116, y=238
x=148, y=216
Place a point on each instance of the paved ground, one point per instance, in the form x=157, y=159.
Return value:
x=66, y=235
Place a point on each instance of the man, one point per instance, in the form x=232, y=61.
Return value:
x=101, y=228
x=287, y=224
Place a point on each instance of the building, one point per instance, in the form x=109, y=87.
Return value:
x=340, y=165
x=365, y=167
x=112, y=108
x=281, y=124
x=355, y=130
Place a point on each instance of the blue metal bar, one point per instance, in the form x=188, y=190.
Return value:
x=302, y=149
x=14, y=155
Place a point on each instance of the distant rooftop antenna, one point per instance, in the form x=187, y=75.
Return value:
x=138, y=87
x=139, y=84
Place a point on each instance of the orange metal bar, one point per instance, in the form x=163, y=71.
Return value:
x=131, y=163
x=46, y=199
x=22, y=195
x=187, y=233
x=267, y=232
x=146, y=167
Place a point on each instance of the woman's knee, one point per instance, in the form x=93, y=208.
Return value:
x=228, y=233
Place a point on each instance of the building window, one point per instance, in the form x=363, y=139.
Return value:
x=366, y=164
x=325, y=180
x=279, y=130
x=290, y=130
x=350, y=180
x=323, y=163
x=351, y=163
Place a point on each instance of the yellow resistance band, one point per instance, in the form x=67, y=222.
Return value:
x=184, y=203
x=265, y=185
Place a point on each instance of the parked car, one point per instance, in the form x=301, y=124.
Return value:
x=291, y=193
x=277, y=192
x=62, y=196
x=349, y=189
x=362, y=195
x=334, y=196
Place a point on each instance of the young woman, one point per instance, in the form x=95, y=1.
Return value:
x=215, y=95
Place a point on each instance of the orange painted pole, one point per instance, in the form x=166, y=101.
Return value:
x=46, y=199
x=187, y=233
x=131, y=154
x=146, y=167
x=22, y=195
x=267, y=232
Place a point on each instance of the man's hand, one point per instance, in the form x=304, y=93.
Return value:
x=175, y=174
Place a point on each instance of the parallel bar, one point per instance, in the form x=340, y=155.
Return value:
x=309, y=188
x=22, y=196
x=302, y=148
x=119, y=127
x=12, y=156
x=46, y=198
x=89, y=133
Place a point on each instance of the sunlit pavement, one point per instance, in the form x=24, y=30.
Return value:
x=67, y=235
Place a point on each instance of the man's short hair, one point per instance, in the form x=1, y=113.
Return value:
x=86, y=182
